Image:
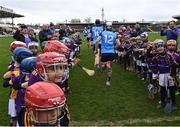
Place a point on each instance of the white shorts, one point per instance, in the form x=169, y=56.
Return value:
x=163, y=79
x=72, y=54
x=119, y=53
x=143, y=64
x=67, y=73
x=138, y=62
x=154, y=76
x=11, y=108
x=77, y=49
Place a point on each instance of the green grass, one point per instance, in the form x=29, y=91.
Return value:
x=4, y=92
x=91, y=102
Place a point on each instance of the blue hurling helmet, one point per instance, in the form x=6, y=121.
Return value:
x=28, y=64
x=21, y=53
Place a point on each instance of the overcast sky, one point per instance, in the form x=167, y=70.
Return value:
x=45, y=11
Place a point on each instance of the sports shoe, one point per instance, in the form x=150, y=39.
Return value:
x=142, y=79
x=174, y=107
x=98, y=67
x=159, y=106
x=177, y=93
x=108, y=83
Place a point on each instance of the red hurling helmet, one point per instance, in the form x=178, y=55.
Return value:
x=52, y=60
x=16, y=44
x=56, y=46
x=44, y=102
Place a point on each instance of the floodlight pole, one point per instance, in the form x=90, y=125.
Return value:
x=102, y=14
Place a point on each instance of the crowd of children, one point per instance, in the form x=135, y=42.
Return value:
x=155, y=62
x=38, y=81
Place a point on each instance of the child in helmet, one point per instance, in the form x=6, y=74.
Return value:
x=61, y=48
x=152, y=70
x=52, y=67
x=128, y=52
x=26, y=67
x=34, y=47
x=13, y=78
x=171, y=46
x=44, y=104
x=13, y=46
x=164, y=63
x=78, y=41
x=144, y=39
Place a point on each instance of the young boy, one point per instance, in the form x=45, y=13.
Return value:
x=11, y=78
x=164, y=63
x=44, y=105
x=52, y=67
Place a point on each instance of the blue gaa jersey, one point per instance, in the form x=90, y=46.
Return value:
x=96, y=31
x=85, y=32
x=108, y=42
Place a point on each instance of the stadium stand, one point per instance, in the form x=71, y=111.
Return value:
x=7, y=29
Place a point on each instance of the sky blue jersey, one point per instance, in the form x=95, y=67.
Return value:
x=96, y=31
x=108, y=42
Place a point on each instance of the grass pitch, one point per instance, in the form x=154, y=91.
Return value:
x=91, y=102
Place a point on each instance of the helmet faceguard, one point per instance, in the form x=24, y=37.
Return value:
x=33, y=46
x=51, y=66
x=159, y=46
x=144, y=36
x=171, y=45
x=44, y=102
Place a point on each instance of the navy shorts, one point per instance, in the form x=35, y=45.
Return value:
x=107, y=57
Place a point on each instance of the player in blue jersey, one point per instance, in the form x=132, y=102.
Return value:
x=109, y=43
x=95, y=31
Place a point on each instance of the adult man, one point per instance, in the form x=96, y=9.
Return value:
x=108, y=38
x=170, y=31
x=138, y=28
x=95, y=31
x=45, y=34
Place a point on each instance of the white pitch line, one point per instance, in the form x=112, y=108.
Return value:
x=126, y=122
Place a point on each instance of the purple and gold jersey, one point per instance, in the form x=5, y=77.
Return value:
x=164, y=63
